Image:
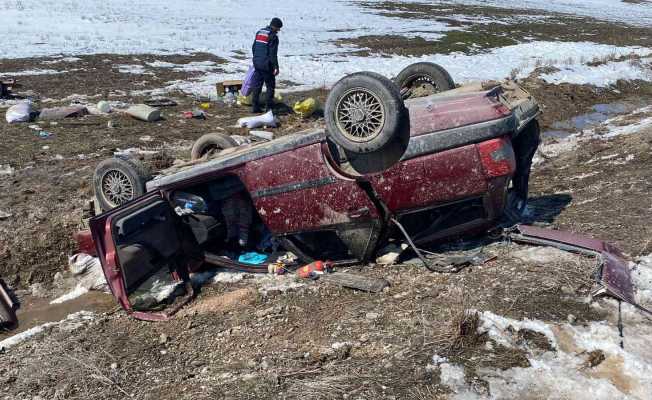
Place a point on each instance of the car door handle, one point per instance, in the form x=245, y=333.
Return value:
x=359, y=213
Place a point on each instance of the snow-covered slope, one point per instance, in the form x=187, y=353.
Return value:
x=309, y=52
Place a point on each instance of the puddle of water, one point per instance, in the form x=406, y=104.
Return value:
x=614, y=108
x=35, y=311
x=600, y=113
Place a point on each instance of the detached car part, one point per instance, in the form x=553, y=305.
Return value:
x=612, y=274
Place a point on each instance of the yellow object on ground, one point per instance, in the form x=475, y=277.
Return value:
x=205, y=106
x=244, y=100
x=306, y=107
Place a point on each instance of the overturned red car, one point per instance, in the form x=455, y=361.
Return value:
x=435, y=166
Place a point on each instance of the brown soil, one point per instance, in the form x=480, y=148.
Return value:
x=502, y=27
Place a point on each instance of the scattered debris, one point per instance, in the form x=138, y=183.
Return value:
x=160, y=102
x=391, y=253
x=313, y=270
x=359, y=282
x=144, y=112
x=306, y=107
x=196, y=113
x=258, y=121
x=262, y=134
x=229, y=86
x=6, y=169
x=104, y=106
x=6, y=88
x=21, y=112
x=4, y=215
x=58, y=113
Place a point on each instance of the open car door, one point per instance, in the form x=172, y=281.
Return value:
x=141, y=248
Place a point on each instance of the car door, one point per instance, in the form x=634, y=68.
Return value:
x=142, y=251
x=297, y=194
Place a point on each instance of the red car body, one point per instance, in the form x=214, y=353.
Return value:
x=452, y=179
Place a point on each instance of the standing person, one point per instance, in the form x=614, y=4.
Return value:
x=265, y=60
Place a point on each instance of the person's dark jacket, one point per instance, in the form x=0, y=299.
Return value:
x=265, y=50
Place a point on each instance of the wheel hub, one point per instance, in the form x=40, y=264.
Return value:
x=360, y=115
x=117, y=188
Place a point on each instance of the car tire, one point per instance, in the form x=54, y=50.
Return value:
x=117, y=181
x=429, y=78
x=209, y=143
x=364, y=113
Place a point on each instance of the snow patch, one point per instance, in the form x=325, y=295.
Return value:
x=541, y=255
x=71, y=322
x=309, y=53
x=73, y=294
x=32, y=72
x=195, y=66
x=632, y=13
x=60, y=60
x=131, y=69
x=497, y=326
x=601, y=75
x=642, y=279
x=587, y=361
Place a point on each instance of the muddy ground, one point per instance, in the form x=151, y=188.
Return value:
x=244, y=341
x=500, y=27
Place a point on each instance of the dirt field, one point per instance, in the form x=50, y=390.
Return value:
x=261, y=338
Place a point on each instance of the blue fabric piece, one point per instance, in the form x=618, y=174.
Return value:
x=252, y=258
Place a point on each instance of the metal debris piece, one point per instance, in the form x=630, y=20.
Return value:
x=612, y=274
x=359, y=282
x=162, y=102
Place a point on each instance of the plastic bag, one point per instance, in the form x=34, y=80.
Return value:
x=20, y=112
x=247, y=83
x=305, y=108
x=244, y=100
x=266, y=119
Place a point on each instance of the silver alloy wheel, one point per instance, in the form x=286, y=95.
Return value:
x=117, y=188
x=360, y=115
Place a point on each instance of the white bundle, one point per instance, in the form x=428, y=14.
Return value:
x=19, y=112
x=266, y=119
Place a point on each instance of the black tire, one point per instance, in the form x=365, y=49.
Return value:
x=117, y=181
x=366, y=129
x=211, y=142
x=429, y=78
